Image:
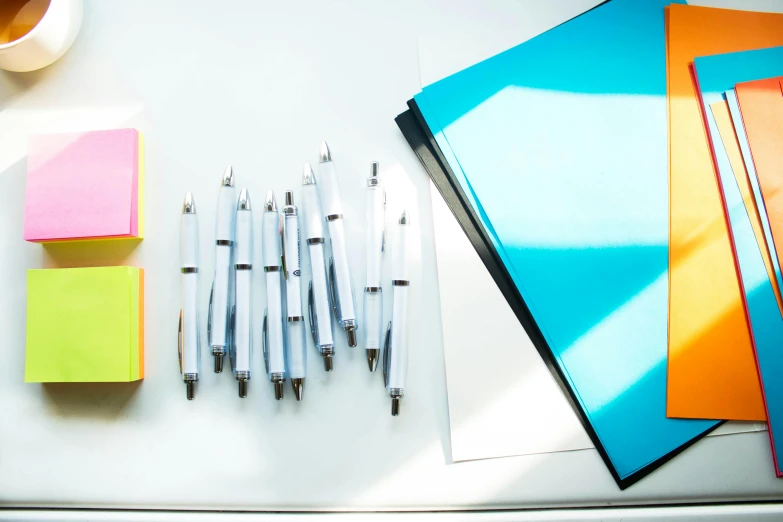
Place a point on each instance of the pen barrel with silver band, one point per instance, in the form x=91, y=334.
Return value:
x=373, y=298
x=189, y=346
x=295, y=338
x=242, y=350
x=397, y=357
x=318, y=295
x=341, y=277
x=273, y=335
x=220, y=297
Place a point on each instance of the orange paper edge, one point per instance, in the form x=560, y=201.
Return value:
x=141, y=323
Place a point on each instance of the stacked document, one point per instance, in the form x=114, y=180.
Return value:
x=621, y=210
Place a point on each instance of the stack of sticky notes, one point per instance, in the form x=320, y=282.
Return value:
x=85, y=186
x=85, y=325
x=621, y=177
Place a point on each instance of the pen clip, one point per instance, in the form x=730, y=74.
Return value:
x=283, y=264
x=312, y=315
x=387, y=355
x=281, y=229
x=265, y=342
x=179, y=340
x=232, y=349
x=333, y=291
x=209, y=315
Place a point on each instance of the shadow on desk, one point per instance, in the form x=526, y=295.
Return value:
x=93, y=400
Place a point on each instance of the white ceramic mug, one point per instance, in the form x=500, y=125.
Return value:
x=47, y=41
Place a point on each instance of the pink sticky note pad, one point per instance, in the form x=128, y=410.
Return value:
x=82, y=186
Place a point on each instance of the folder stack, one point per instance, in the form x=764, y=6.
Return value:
x=619, y=177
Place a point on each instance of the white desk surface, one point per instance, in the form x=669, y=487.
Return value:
x=259, y=85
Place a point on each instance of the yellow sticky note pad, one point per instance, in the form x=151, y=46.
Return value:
x=85, y=325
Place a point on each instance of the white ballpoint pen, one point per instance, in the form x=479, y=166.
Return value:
x=295, y=336
x=318, y=293
x=373, y=298
x=218, y=323
x=242, y=347
x=189, y=348
x=273, y=342
x=342, y=289
x=395, y=356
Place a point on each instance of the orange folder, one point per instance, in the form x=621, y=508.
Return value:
x=711, y=366
x=720, y=110
x=761, y=104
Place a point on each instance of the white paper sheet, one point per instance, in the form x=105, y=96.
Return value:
x=503, y=401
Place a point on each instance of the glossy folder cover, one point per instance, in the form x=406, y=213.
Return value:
x=715, y=75
x=761, y=105
x=729, y=141
x=747, y=159
x=707, y=319
x=553, y=157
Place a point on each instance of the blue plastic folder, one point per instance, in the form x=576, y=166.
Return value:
x=561, y=145
x=747, y=158
x=717, y=74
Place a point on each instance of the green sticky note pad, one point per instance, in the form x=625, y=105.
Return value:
x=85, y=325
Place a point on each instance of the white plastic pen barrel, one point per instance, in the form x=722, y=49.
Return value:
x=189, y=348
x=297, y=353
x=242, y=351
x=340, y=274
x=274, y=348
x=396, y=353
x=218, y=325
x=318, y=293
x=373, y=296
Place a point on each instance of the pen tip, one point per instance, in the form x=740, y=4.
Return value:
x=289, y=198
x=308, y=176
x=351, y=336
x=372, y=358
x=270, y=205
x=404, y=218
x=279, y=389
x=228, y=177
x=190, y=389
x=242, y=389
x=218, y=364
x=374, y=168
x=298, y=385
x=189, y=206
x=326, y=154
x=328, y=363
x=244, y=200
